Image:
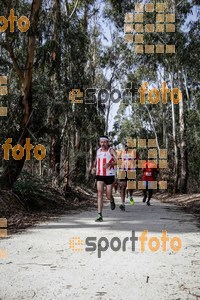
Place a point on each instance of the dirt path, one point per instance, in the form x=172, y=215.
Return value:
x=40, y=265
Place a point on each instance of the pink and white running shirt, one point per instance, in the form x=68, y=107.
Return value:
x=104, y=157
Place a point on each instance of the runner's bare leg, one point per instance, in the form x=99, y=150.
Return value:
x=100, y=186
x=123, y=191
x=109, y=189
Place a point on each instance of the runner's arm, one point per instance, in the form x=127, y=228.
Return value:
x=113, y=161
x=94, y=166
x=114, y=154
x=94, y=163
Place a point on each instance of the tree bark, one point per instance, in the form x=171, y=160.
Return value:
x=153, y=127
x=89, y=155
x=55, y=144
x=14, y=167
x=183, y=152
x=175, y=144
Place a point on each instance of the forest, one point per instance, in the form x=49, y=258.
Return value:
x=99, y=149
x=81, y=45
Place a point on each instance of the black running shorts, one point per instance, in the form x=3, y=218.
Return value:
x=106, y=179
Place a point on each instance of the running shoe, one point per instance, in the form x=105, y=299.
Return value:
x=132, y=202
x=148, y=203
x=99, y=219
x=112, y=204
x=122, y=207
x=144, y=199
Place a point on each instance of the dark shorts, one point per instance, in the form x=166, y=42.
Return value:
x=106, y=179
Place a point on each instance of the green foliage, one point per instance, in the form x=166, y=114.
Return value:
x=69, y=54
x=27, y=183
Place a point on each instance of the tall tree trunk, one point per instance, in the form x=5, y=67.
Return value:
x=14, y=167
x=89, y=156
x=40, y=168
x=164, y=127
x=165, y=142
x=153, y=127
x=55, y=146
x=93, y=66
x=183, y=152
x=186, y=89
x=64, y=163
x=174, y=143
x=108, y=107
x=78, y=144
